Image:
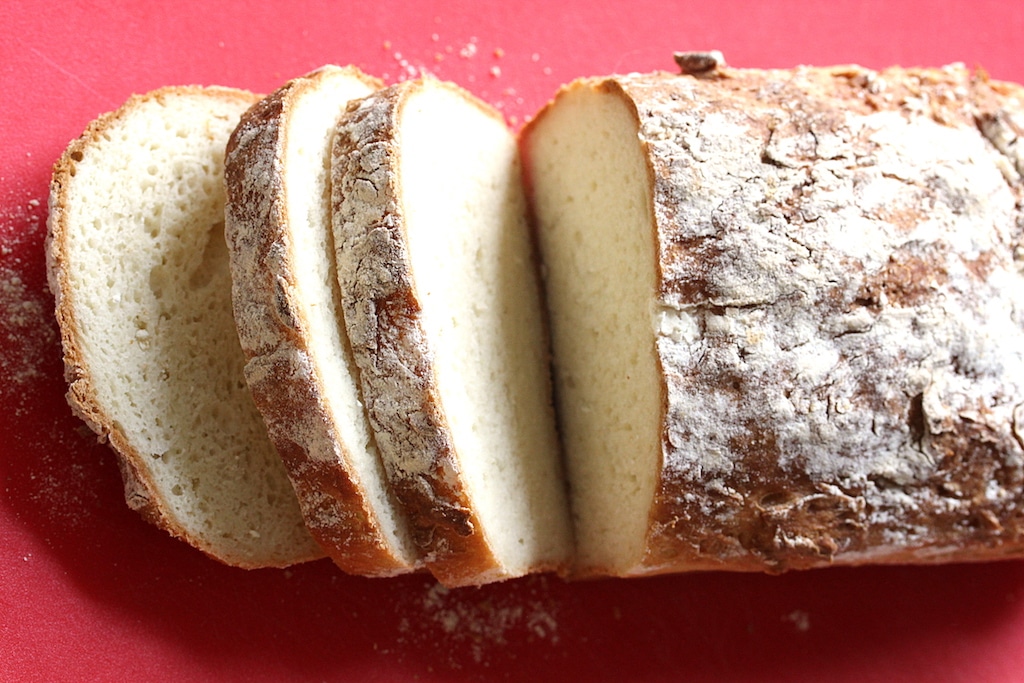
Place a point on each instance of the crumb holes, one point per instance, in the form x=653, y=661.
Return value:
x=215, y=254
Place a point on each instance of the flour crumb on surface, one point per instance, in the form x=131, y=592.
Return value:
x=28, y=335
x=469, y=49
x=800, y=619
x=475, y=623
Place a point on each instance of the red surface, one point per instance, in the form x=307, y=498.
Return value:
x=90, y=592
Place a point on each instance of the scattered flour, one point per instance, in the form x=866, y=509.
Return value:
x=800, y=619
x=475, y=66
x=54, y=477
x=28, y=332
x=479, y=621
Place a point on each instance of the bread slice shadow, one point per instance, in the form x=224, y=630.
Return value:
x=121, y=577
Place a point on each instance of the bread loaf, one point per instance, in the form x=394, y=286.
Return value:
x=787, y=313
x=443, y=311
x=289, y=318
x=139, y=268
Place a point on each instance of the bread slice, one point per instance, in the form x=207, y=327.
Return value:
x=442, y=306
x=787, y=313
x=288, y=312
x=139, y=267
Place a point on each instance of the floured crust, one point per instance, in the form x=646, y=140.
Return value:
x=839, y=316
x=282, y=369
x=382, y=314
x=142, y=492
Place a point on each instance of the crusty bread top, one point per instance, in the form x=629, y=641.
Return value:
x=404, y=329
x=838, y=314
x=288, y=312
x=137, y=263
x=861, y=309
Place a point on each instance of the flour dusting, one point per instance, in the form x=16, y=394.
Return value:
x=468, y=61
x=480, y=621
x=28, y=332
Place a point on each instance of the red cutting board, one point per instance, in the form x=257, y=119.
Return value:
x=89, y=592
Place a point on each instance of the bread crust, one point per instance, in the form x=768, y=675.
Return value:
x=382, y=314
x=142, y=494
x=282, y=370
x=834, y=398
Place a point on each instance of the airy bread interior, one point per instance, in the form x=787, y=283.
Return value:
x=474, y=274
x=591, y=193
x=307, y=192
x=140, y=267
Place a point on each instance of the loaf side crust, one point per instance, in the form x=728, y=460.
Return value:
x=382, y=315
x=282, y=370
x=839, y=316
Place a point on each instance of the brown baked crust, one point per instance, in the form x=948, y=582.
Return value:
x=283, y=376
x=382, y=314
x=141, y=494
x=903, y=445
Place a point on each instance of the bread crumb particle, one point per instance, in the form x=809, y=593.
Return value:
x=475, y=622
x=800, y=619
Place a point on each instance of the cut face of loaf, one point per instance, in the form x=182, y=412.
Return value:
x=787, y=314
x=288, y=312
x=139, y=268
x=443, y=311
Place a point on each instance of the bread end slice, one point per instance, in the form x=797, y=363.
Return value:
x=138, y=265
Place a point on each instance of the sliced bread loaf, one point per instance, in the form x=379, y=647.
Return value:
x=443, y=310
x=787, y=313
x=139, y=267
x=288, y=312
